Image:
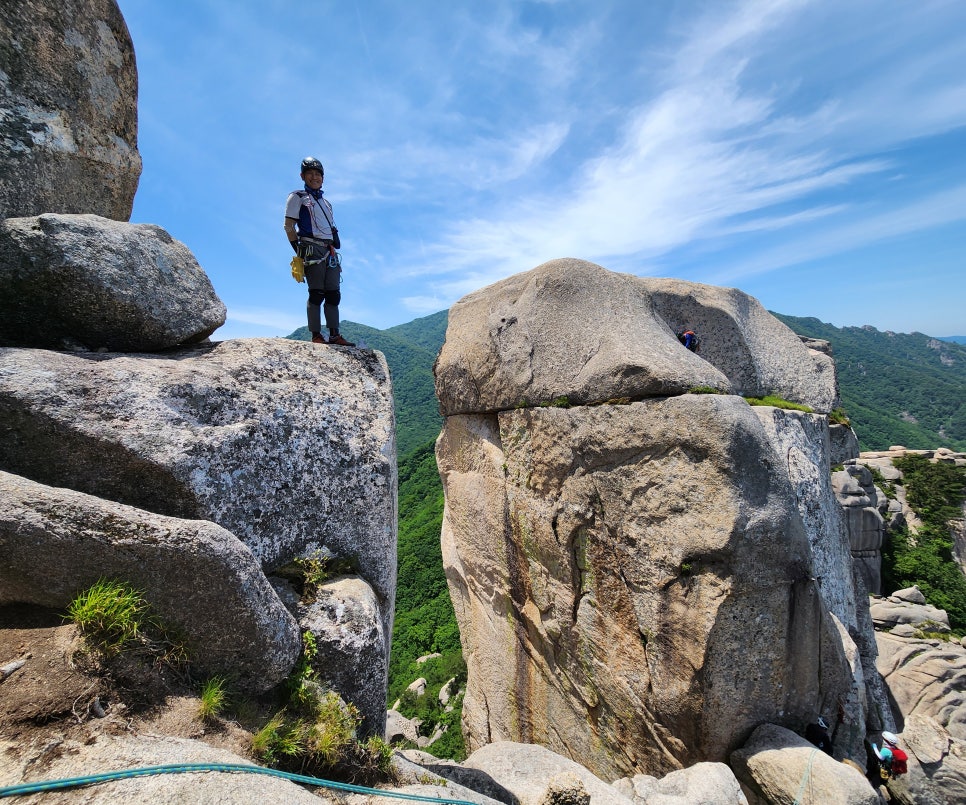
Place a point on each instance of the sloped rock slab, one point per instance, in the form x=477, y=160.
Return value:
x=779, y=766
x=527, y=771
x=925, y=678
x=570, y=330
x=86, y=282
x=197, y=576
x=288, y=445
x=117, y=753
x=69, y=95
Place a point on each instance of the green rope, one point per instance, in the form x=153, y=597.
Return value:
x=805, y=777
x=75, y=782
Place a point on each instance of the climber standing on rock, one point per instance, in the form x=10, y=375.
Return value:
x=310, y=227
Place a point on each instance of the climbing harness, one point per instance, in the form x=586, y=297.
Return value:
x=23, y=789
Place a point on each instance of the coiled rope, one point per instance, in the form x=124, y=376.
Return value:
x=23, y=789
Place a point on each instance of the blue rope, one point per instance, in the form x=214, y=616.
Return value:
x=808, y=772
x=75, y=782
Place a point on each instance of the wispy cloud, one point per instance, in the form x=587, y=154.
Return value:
x=711, y=155
x=934, y=211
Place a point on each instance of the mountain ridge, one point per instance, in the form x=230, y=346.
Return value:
x=896, y=388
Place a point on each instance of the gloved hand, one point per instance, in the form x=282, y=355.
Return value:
x=295, y=246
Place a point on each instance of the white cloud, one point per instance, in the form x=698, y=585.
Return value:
x=697, y=159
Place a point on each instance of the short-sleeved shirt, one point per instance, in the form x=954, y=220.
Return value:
x=308, y=211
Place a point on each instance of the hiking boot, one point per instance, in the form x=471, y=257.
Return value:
x=340, y=341
x=318, y=339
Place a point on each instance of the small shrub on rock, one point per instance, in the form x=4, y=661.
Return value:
x=315, y=732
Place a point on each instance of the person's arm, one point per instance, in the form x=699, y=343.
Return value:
x=292, y=206
x=291, y=234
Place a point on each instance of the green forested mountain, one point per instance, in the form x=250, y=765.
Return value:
x=425, y=621
x=410, y=350
x=896, y=388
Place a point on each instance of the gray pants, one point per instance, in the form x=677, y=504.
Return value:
x=323, y=285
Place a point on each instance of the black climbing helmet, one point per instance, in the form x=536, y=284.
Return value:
x=311, y=163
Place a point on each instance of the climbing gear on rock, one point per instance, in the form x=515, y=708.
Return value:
x=318, y=338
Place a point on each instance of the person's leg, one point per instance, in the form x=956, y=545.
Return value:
x=315, y=278
x=333, y=295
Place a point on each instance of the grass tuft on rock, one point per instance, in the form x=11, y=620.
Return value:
x=315, y=731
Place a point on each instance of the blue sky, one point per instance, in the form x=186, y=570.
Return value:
x=810, y=152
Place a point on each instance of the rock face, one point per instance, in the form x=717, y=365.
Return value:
x=803, y=440
x=635, y=584
x=856, y=494
x=779, y=766
x=529, y=340
x=630, y=584
x=198, y=577
x=68, y=91
x=926, y=678
x=353, y=650
x=69, y=281
x=288, y=447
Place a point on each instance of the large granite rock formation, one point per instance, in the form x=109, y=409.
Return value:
x=926, y=678
x=198, y=577
x=856, y=493
x=572, y=330
x=634, y=582
x=68, y=109
x=191, y=473
x=803, y=441
x=82, y=281
x=779, y=766
x=289, y=447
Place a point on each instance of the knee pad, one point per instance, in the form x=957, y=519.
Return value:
x=316, y=296
x=333, y=297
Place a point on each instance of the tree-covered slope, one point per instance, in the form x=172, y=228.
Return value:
x=896, y=388
x=425, y=621
x=410, y=351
